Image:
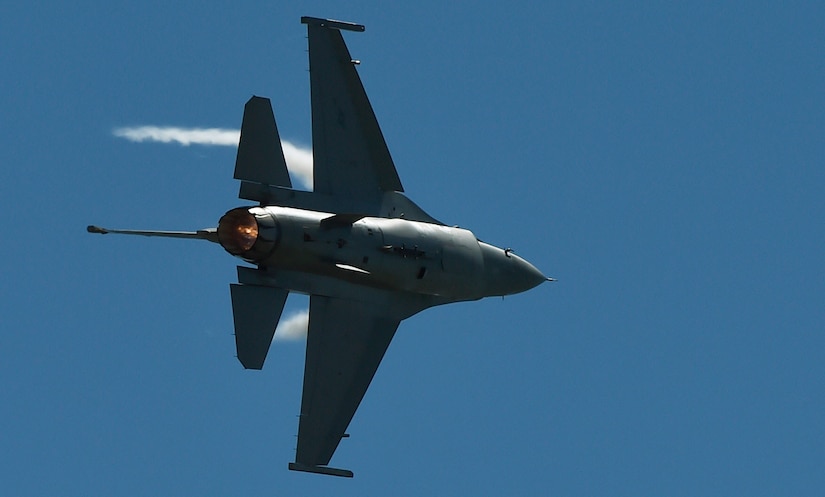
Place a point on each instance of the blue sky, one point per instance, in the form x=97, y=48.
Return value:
x=663, y=160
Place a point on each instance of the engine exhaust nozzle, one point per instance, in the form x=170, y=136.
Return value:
x=248, y=232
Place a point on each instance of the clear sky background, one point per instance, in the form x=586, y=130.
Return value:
x=664, y=160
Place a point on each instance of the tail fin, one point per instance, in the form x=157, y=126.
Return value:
x=260, y=156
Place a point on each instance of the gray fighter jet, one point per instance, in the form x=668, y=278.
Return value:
x=367, y=256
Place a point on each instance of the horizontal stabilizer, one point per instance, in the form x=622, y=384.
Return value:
x=260, y=156
x=256, y=311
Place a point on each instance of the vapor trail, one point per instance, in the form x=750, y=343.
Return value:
x=298, y=159
x=183, y=136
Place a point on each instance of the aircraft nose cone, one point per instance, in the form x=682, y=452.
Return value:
x=508, y=273
x=525, y=275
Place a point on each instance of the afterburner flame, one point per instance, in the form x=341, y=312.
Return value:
x=238, y=231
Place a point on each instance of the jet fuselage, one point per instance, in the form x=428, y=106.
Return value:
x=393, y=254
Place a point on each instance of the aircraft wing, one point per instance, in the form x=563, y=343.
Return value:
x=345, y=344
x=350, y=156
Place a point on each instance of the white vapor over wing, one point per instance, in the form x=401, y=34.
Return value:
x=298, y=159
x=294, y=327
x=299, y=162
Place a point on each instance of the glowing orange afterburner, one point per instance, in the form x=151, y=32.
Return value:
x=238, y=231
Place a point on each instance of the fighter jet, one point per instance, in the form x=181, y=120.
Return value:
x=367, y=256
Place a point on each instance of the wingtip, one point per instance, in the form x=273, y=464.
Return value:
x=333, y=24
x=321, y=470
x=96, y=229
